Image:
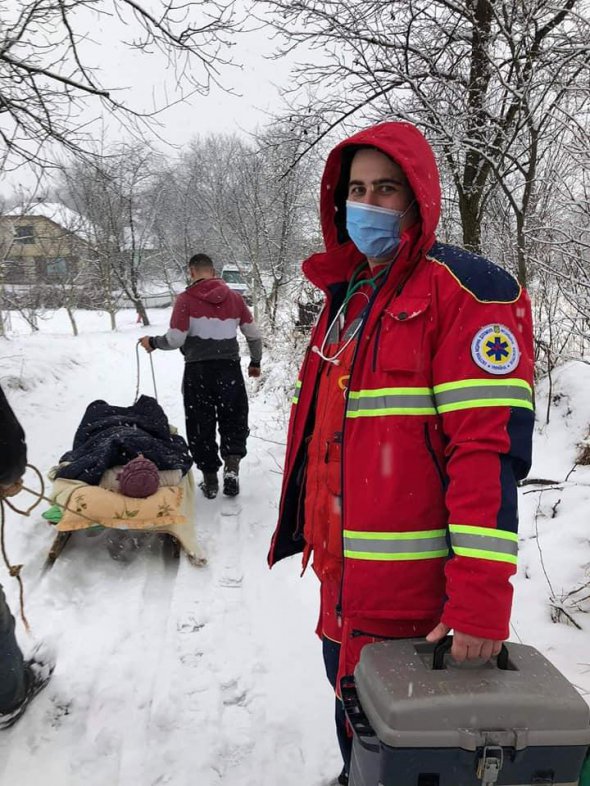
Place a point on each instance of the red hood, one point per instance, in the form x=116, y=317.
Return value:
x=407, y=147
x=211, y=290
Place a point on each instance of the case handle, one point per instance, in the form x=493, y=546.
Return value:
x=444, y=647
x=356, y=717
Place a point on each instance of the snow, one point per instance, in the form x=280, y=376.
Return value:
x=167, y=674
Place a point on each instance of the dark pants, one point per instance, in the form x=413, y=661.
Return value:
x=215, y=397
x=331, y=652
x=12, y=671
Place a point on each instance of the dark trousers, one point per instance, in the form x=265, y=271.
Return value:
x=12, y=670
x=331, y=653
x=215, y=397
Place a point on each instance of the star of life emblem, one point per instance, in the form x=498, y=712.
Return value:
x=495, y=349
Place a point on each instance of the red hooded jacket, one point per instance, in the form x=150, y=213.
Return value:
x=438, y=421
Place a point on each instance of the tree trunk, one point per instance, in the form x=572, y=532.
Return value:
x=470, y=222
x=141, y=312
x=72, y=320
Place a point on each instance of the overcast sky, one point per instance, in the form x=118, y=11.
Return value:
x=149, y=80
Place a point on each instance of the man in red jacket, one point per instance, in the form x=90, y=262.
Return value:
x=204, y=326
x=412, y=420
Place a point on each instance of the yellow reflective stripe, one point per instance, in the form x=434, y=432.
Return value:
x=373, y=392
x=390, y=401
x=295, y=398
x=482, y=383
x=481, y=554
x=476, y=393
x=373, y=413
x=424, y=533
x=490, y=402
x=390, y=557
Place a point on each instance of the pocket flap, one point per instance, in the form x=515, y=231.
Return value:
x=406, y=308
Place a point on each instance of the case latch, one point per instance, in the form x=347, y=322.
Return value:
x=490, y=764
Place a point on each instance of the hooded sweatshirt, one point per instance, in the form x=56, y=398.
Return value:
x=204, y=324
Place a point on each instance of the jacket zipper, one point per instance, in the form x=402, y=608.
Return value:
x=430, y=449
x=356, y=348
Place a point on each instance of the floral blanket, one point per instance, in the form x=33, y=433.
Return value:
x=169, y=510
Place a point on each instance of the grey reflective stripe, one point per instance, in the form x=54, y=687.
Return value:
x=390, y=403
x=395, y=545
x=473, y=393
x=484, y=543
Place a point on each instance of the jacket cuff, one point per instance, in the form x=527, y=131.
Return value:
x=254, y=364
x=152, y=342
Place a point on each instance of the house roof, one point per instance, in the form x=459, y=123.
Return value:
x=58, y=213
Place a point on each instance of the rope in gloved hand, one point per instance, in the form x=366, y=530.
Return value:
x=11, y=491
x=14, y=570
x=138, y=373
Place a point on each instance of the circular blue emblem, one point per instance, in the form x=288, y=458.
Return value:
x=495, y=349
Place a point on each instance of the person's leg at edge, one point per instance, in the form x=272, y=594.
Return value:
x=199, y=408
x=12, y=669
x=232, y=408
x=331, y=653
x=232, y=403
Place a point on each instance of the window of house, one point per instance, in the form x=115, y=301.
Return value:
x=56, y=269
x=25, y=234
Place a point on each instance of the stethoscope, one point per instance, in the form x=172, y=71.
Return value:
x=354, y=288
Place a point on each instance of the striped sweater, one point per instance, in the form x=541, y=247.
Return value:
x=205, y=321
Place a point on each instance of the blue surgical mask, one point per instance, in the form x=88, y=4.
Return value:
x=375, y=231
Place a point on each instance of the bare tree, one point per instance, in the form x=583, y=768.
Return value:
x=561, y=241
x=48, y=84
x=262, y=207
x=183, y=224
x=243, y=203
x=490, y=81
x=109, y=193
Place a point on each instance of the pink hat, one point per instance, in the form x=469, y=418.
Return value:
x=139, y=478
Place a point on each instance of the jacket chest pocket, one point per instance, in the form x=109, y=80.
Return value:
x=400, y=336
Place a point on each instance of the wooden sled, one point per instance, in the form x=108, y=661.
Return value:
x=170, y=512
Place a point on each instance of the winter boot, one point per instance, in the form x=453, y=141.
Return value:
x=37, y=676
x=231, y=481
x=209, y=485
x=342, y=779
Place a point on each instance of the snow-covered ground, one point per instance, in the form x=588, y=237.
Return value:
x=171, y=674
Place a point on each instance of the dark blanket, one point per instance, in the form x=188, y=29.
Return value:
x=109, y=436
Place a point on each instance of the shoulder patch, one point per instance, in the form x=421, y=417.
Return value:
x=486, y=281
x=495, y=349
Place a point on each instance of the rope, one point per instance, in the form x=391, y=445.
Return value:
x=16, y=488
x=138, y=373
x=14, y=570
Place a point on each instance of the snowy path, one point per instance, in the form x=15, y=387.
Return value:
x=170, y=675
x=166, y=673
